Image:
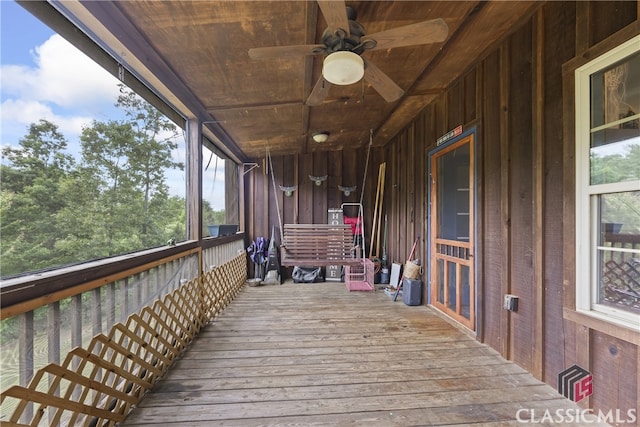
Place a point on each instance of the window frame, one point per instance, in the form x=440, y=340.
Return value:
x=587, y=226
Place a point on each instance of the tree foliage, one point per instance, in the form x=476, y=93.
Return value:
x=31, y=197
x=112, y=199
x=619, y=207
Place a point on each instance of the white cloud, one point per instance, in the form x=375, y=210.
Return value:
x=65, y=87
x=17, y=80
x=18, y=114
x=62, y=85
x=63, y=76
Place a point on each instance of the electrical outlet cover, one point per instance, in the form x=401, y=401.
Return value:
x=510, y=302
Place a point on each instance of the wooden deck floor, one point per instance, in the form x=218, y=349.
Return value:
x=316, y=354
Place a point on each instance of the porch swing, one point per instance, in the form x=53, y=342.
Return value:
x=322, y=245
x=314, y=244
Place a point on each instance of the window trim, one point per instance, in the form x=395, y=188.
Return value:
x=585, y=204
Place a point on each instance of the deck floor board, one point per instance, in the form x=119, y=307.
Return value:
x=319, y=355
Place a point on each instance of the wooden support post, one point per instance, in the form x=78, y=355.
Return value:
x=194, y=179
x=538, y=194
x=505, y=200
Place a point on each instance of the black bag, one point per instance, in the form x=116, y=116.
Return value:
x=307, y=274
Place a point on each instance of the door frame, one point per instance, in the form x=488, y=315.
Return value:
x=472, y=132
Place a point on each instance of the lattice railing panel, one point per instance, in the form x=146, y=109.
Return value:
x=99, y=385
x=621, y=282
x=221, y=284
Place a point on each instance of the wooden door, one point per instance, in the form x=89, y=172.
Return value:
x=452, y=231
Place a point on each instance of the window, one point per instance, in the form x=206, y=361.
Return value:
x=89, y=168
x=213, y=194
x=608, y=185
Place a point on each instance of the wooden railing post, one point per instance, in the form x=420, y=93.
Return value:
x=25, y=349
x=135, y=353
x=124, y=299
x=96, y=311
x=53, y=338
x=110, y=301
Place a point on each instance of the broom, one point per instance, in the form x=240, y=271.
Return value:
x=413, y=249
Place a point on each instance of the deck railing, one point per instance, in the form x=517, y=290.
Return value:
x=84, y=354
x=620, y=275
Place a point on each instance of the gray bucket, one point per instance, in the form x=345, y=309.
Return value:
x=384, y=276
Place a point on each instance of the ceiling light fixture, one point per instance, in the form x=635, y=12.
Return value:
x=343, y=68
x=321, y=136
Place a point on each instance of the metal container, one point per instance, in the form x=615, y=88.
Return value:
x=254, y=282
x=384, y=276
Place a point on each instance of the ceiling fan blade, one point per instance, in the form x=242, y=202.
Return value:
x=271, y=52
x=319, y=92
x=433, y=31
x=335, y=13
x=382, y=83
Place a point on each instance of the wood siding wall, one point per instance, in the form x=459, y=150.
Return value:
x=525, y=195
x=309, y=203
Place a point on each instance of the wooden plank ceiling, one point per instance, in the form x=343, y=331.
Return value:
x=199, y=51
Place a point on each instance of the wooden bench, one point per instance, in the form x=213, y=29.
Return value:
x=318, y=245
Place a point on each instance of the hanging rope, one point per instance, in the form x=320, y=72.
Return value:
x=275, y=194
x=366, y=165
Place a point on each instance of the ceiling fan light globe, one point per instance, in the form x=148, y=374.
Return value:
x=343, y=68
x=320, y=137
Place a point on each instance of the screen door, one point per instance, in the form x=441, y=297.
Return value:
x=452, y=231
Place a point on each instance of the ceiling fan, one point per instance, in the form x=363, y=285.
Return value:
x=343, y=43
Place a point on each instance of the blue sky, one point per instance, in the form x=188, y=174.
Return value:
x=36, y=83
x=44, y=76
x=12, y=20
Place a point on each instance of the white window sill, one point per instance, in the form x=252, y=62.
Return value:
x=626, y=331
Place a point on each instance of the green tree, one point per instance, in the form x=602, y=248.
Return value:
x=211, y=217
x=31, y=180
x=619, y=207
x=154, y=138
x=114, y=201
x=81, y=222
x=107, y=148
x=617, y=167
x=175, y=224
